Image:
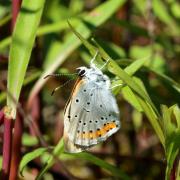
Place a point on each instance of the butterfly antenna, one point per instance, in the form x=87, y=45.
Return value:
x=58, y=75
x=59, y=87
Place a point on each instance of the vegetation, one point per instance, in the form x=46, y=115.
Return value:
x=139, y=40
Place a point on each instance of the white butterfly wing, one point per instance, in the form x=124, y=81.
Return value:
x=91, y=116
x=68, y=118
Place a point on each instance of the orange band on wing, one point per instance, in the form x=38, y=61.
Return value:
x=99, y=132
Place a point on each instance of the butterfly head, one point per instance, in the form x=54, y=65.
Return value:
x=93, y=74
x=82, y=71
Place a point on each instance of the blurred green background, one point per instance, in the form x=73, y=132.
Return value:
x=128, y=31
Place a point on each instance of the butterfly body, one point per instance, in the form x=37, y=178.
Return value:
x=92, y=114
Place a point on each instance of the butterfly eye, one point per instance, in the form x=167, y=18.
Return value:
x=81, y=72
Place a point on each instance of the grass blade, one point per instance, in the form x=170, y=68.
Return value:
x=116, y=172
x=21, y=47
x=29, y=157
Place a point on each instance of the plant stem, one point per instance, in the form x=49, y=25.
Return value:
x=7, y=140
x=34, y=110
x=16, y=147
x=15, y=9
x=1, y=117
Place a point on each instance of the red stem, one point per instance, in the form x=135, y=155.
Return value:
x=15, y=9
x=174, y=168
x=16, y=147
x=1, y=117
x=7, y=140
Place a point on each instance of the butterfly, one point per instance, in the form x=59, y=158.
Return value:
x=91, y=115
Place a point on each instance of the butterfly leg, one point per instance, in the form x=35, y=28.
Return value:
x=104, y=64
x=122, y=85
x=94, y=58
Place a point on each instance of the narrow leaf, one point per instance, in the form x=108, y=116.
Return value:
x=56, y=152
x=116, y=172
x=22, y=43
x=29, y=157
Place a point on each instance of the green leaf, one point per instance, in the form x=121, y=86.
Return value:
x=171, y=154
x=178, y=171
x=22, y=43
x=116, y=51
x=156, y=61
x=4, y=20
x=5, y=8
x=161, y=11
x=28, y=140
x=126, y=91
x=5, y=42
x=116, y=172
x=32, y=77
x=137, y=119
x=76, y=6
x=55, y=27
x=29, y=157
x=176, y=112
x=56, y=152
x=172, y=135
x=150, y=113
x=141, y=6
x=136, y=65
x=175, y=9
x=167, y=125
x=166, y=79
x=52, y=52
x=131, y=98
x=44, y=29
x=90, y=47
x=1, y=162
